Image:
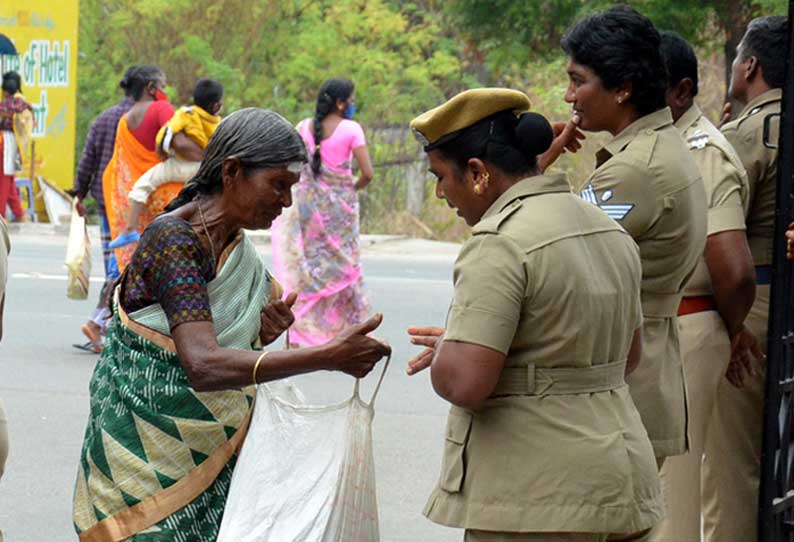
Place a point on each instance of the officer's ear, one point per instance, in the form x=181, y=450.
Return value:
x=682, y=92
x=479, y=173
x=752, y=68
x=623, y=92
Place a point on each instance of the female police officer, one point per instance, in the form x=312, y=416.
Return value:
x=543, y=442
x=647, y=180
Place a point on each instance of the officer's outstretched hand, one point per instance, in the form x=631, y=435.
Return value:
x=745, y=352
x=727, y=113
x=567, y=137
x=423, y=336
x=790, y=242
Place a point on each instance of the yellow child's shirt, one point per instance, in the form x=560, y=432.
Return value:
x=194, y=121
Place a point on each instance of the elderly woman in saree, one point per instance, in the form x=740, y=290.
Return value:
x=171, y=396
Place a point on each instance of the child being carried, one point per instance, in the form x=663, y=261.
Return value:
x=182, y=140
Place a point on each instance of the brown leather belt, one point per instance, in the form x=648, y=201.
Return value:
x=700, y=303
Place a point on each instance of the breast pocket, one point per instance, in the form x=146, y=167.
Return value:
x=453, y=468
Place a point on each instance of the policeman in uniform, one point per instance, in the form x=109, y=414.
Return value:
x=647, y=180
x=733, y=444
x=719, y=295
x=543, y=442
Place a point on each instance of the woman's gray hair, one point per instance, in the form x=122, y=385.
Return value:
x=259, y=138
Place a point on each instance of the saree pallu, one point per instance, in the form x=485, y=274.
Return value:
x=131, y=160
x=158, y=456
x=316, y=254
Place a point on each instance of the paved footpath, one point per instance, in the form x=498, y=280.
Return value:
x=44, y=381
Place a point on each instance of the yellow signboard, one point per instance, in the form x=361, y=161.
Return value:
x=44, y=34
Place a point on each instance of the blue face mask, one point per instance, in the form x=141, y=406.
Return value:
x=350, y=110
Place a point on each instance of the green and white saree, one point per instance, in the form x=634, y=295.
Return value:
x=157, y=456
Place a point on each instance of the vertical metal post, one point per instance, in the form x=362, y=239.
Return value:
x=776, y=500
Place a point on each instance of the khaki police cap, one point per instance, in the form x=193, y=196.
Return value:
x=441, y=124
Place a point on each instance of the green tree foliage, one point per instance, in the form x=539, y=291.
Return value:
x=518, y=29
x=271, y=53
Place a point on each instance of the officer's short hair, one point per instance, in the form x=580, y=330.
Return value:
x=679, y=60
x=206, y=93
x=766, y=39
x=621, y=45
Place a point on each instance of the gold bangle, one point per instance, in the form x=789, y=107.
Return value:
x=256, y=365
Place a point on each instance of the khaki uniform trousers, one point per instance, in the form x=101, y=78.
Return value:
x=732, y=463
x=490, y=536
x=706, y=350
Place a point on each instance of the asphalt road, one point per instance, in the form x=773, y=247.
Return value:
x=44, y=383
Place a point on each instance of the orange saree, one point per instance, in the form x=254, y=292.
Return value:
x=131, y=160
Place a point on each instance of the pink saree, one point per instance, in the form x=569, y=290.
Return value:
x=316, y=254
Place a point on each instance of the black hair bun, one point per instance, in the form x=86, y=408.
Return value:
x=534, y=133
x=124, y=84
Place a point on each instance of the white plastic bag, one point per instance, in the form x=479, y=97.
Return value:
x=305, y=473
x=78, y=256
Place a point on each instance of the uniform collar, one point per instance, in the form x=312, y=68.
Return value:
x=531, y=186
x=688, y=119
x=773, y=95
x=648, y=123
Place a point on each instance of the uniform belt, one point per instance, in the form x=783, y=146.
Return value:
x=659, y=305
x=763, y=274
x=698, y=303
x=532, y=380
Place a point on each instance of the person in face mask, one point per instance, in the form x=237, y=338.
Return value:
x=315, y=241
x=135, y=153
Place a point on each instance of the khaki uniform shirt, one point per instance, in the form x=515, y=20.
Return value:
x=725, y=180
x=646, y=179
x=553, y=283
x=746, y=134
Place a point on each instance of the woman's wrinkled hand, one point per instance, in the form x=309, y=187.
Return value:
x=423, y=336
x=276, y=318
x=353, y=352
x=745, y=353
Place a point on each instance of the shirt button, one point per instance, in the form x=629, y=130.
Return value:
x=649, y=131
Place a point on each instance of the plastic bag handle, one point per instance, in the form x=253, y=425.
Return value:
x=356, y=388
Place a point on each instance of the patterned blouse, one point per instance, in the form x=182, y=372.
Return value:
x=170, y=267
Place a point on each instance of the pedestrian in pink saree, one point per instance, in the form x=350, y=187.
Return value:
x=316, y=240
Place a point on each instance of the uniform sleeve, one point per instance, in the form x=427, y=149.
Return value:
x=623, y=192
x=490, y=282
x=726, y=190
x=357, y=138
x=746, y=146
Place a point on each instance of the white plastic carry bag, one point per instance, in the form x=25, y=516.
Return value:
x=305, y=473
x=78, y=257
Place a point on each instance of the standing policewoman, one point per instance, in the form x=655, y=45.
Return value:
x=647, y=180
x=543, y=442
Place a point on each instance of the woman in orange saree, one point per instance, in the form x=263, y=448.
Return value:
x=135, y=153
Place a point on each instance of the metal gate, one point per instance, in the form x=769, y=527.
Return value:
x=776, y=502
